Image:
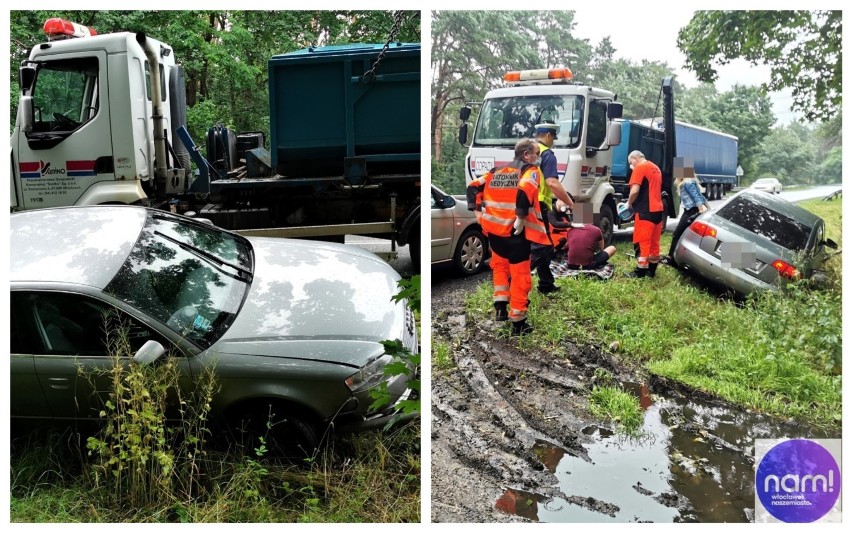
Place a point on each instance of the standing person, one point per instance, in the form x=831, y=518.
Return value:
x=546, y=134
x=646, y=183
x=694, y=203
x=512, y=220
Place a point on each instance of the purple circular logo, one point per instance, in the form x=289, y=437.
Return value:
x=798, y=481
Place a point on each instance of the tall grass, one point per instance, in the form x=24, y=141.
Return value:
x=143, y=467
x=776, y=352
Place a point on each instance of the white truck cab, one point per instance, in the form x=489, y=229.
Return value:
x=587, y=132
x=84, y=132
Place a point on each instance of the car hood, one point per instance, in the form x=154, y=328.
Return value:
x=318, y=301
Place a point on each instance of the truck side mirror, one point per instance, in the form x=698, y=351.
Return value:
x=26, y=77
x=25, y=114
x=614, y=134
x=614, y=110
x=464, y=113
x=463, y=134
x=830, y=244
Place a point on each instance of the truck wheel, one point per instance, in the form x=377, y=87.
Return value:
x=471, y=252
x=414, y=246
x=606, y=224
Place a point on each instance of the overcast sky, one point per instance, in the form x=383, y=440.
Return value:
x=659, y=43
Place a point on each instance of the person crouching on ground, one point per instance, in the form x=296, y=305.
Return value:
x=584, y=244
x=512, y=219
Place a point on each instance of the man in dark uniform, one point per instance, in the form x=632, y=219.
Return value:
x=546, y=135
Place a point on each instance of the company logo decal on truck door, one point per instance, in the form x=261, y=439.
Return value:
x=76, y=169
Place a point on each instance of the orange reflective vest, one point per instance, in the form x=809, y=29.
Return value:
x=499, y=195
x=500, y=191
x=534, y=228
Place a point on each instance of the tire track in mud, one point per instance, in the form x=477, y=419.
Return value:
x=506, y=417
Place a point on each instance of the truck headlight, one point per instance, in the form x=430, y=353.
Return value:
x=369, y=375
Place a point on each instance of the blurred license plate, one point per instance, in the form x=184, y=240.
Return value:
x=738, y=254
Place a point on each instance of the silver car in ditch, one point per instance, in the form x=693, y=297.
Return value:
x=457, y=237
x=755, y=241
x=292, y=327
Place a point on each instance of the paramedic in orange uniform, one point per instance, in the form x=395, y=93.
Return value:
x=646, y=183
x=512, y=219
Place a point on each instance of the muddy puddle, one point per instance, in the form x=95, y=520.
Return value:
x=692, y=462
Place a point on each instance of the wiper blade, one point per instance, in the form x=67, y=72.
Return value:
x=242, y=273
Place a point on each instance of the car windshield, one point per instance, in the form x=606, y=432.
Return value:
x=763, y=182
x=757, y=218
x=191, y=277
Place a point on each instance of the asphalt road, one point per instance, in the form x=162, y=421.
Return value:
x=380, y=247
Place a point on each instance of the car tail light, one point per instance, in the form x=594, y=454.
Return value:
x=703, y=229
x=786, y=269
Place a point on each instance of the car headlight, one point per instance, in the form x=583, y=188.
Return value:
x=369, y=375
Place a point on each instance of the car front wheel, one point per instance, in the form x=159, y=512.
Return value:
x=285, y=430
x=471, y=251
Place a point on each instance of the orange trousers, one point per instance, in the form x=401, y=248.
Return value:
x=510, y=265
x=646, y=235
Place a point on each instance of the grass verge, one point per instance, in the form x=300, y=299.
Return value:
x=368, y=477
x=778, y=352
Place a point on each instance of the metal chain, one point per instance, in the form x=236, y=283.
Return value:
x=398, y=18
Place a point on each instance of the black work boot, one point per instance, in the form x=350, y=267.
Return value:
x=549, y=289
x=637, y=273
x=652, y=270
x=521, y=328
x=501, y=311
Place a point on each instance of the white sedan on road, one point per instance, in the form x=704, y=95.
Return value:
x=770, y=185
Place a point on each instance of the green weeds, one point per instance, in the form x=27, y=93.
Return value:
x=612, y=403
x=776, y=352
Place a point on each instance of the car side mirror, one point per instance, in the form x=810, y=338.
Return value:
x=149, y=352
x=828, y=243
x=445, y=202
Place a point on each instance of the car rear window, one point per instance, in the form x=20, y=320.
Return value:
x=762, y=220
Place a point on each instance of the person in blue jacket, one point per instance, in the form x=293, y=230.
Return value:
x=694, y=203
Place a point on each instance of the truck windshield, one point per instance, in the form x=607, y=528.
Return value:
x=65, y=94
x=504, y=121
x=191, y=278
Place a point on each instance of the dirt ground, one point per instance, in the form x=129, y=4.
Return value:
x=492, y=410
x=503, y=419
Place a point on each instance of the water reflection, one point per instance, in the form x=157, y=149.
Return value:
x=694, y=462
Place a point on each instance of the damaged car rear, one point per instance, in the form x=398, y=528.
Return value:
x=755, y=241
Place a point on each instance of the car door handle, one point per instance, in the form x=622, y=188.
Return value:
x=59, y=383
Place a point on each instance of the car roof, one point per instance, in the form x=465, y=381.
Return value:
x=81, y=245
